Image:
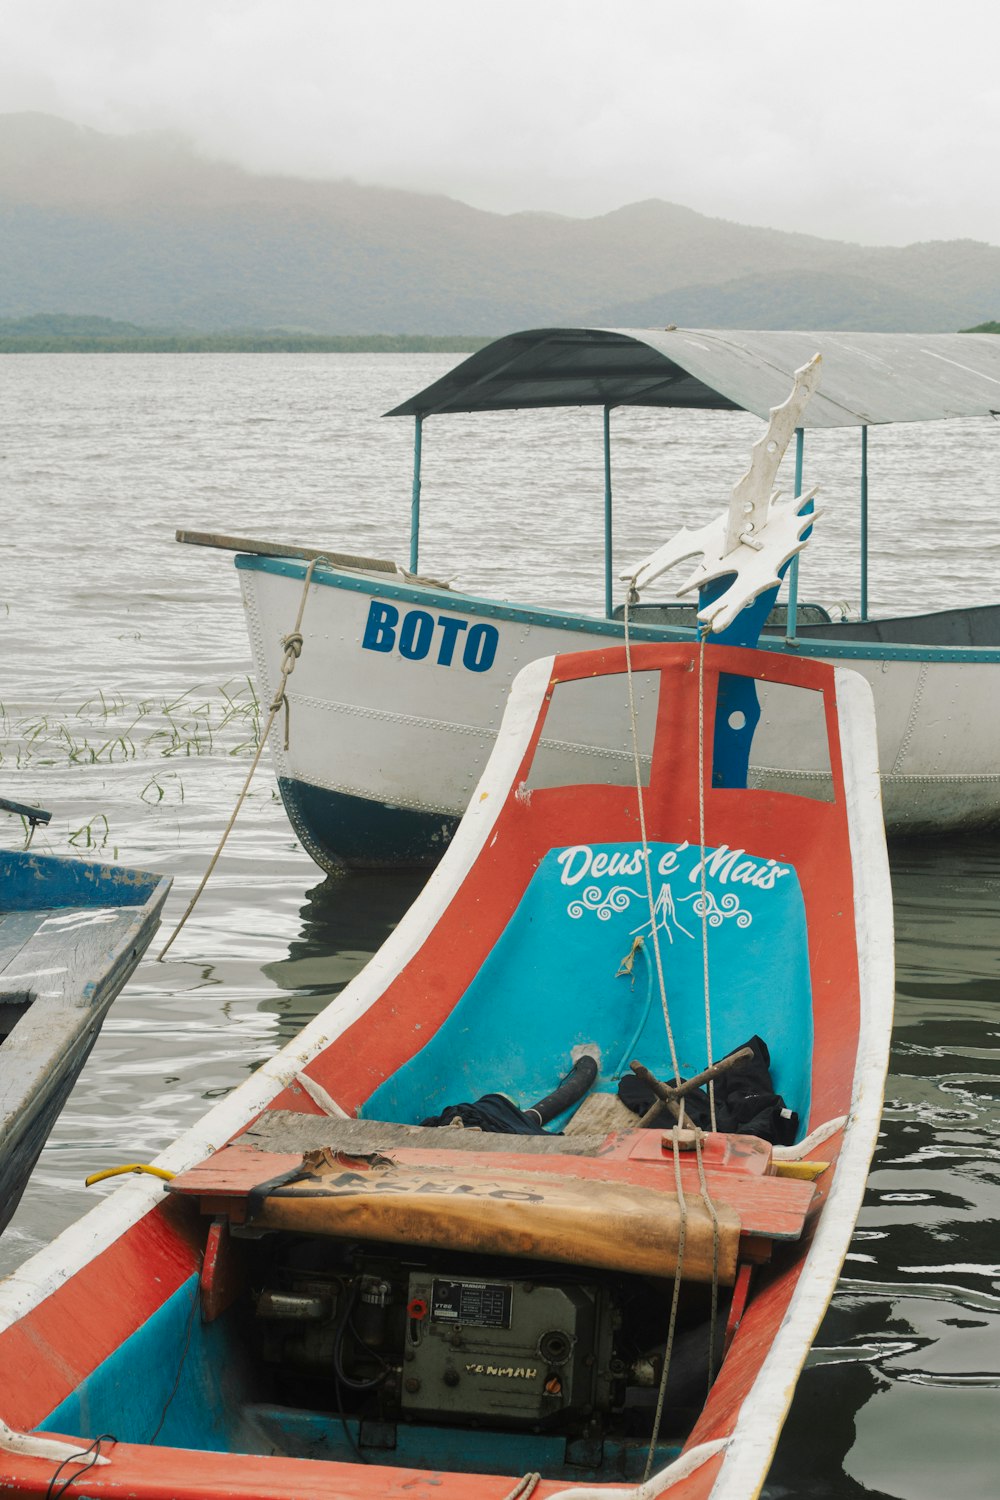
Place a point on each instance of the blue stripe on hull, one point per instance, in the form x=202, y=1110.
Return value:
x=337, y=829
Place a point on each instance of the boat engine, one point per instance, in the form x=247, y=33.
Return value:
x=439, y=1341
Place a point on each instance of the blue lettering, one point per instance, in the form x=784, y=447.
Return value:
x=481, y=648
x=450, y=628
x=380, y=632
x=415, y=635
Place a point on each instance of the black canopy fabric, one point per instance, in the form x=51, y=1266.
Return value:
x=868, y=378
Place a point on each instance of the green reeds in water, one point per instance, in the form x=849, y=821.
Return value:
x=107, y=730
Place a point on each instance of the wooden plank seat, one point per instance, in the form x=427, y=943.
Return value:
x=613, y=1205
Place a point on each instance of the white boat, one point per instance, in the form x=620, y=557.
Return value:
x=397, y=697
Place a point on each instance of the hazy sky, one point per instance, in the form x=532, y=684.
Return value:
x=876, y=121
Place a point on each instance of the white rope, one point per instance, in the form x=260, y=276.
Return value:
x=525, y=1487
x=674, y=1302
x=706, y=1198
x=645, y=852
x=704, y=883
x=319, y=1095
x=30, y=1445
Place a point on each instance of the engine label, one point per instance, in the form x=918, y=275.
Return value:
x=477, y=1304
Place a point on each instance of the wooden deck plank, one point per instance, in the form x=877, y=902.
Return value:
x=770, y=1206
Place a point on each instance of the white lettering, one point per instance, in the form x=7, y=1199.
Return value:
x=575, y=863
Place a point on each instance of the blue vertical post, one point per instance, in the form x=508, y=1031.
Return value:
x=864, y=523
x=415, y=496
x=609, y=603
x=793, y=570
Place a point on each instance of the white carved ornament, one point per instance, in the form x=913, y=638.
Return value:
x=757, y=535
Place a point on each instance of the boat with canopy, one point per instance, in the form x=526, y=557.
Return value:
x=398, y=693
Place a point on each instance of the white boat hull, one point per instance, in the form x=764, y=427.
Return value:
x=395, y=702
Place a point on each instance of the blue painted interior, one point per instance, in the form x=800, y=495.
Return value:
x=130, y=1392
x=551, y=982
x=308, y=1434
x=32, y=881
x=183, y=1384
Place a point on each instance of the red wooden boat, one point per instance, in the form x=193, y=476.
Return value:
x=332, y=1298
x=337, y=1293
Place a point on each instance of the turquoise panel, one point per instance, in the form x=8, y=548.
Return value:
x=552, y=980
x=32, y=881
x=307, y=1434
x=175, y=1382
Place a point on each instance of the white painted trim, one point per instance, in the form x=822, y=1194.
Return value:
x=815, y=1138
x=30, y=1445
x=758, y=1426
x=656, y=1484
x=40, y=1276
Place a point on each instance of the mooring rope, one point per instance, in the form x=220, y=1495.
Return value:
x=524, y=1488
x=706, y=1198
x=674, y=1304
x=703, y=1181
x=292, y=647
x=645, y=846
x=704, y=879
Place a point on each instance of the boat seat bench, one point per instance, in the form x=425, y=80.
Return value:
x=609, y=1202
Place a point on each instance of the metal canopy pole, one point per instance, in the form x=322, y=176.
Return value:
x=864, y=523
x=415, y=495
x=793, y=567
x=609, y=603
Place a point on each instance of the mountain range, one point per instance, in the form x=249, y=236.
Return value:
x=142, y=228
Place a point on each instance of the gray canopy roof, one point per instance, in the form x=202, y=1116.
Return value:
x=867, y=377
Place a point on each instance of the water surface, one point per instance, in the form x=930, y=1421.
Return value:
x=127, y=710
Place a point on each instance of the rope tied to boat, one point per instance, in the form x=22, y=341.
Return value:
x=677, y=1105
x=291, y=645
x=292, y=648
x=654, y=932
x=524, y=1488
x=668, y=1351
x=130, y=1166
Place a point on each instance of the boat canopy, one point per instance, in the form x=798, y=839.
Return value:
x=868, y=378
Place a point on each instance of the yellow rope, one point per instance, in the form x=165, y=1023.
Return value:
x=292, y=645
x=132, y=1166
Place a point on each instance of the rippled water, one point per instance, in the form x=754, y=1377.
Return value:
x=127, y=711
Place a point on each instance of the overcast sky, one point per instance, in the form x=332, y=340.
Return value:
x=870, y=120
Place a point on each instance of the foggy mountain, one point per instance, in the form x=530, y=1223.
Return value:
x=143, y=229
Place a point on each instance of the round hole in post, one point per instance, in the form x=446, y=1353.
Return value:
x=737, y=719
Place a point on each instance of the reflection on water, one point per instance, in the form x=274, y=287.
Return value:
x=125, y=708
x=901, y=1398
x=346, y=918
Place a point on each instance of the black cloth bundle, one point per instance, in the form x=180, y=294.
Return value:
x=493, y=1112
x=745, y=1101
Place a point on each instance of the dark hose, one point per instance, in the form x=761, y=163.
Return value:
x=573, y=1087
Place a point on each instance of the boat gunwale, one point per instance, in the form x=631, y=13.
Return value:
x=528, y=614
